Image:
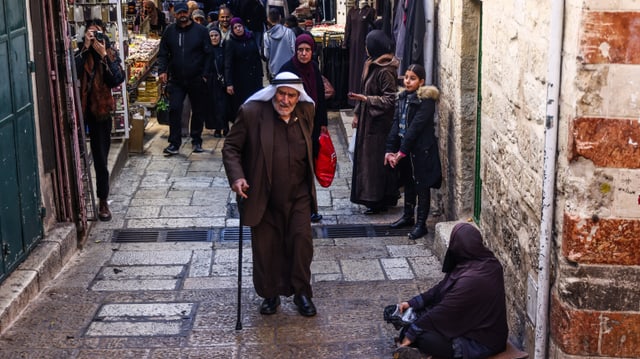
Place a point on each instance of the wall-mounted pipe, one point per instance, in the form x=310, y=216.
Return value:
x=549, y=176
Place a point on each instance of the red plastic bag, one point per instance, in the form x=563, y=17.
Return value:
x=326, y=162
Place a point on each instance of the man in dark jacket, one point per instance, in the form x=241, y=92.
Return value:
x=465, y=314
x=183, y=54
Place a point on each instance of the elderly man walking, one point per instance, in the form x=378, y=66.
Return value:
x=268, y=160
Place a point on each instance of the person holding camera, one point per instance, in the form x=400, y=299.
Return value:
x=99, y=70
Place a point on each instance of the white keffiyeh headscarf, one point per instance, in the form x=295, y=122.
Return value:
x=286, y=79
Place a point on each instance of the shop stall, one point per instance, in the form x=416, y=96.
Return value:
x=333, y=60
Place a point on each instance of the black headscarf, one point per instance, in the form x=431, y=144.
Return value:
x=465, y=245
x=378, y=44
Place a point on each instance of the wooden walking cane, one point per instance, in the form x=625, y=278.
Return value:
x=239, y=312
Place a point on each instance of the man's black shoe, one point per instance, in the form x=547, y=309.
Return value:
x=171, y=150
x=316, y=217
x=305, y=305
x=197, y=148
x=217, y=134
x=269, y=305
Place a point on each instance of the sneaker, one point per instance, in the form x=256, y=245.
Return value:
x=171, y=150
x=197, y=148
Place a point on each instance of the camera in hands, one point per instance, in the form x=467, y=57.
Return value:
x=99, y=35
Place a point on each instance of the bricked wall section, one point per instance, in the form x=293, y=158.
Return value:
x=593, y=333
x=607, y=142
x=611, y=37
x=594, y=304
x=601, y=241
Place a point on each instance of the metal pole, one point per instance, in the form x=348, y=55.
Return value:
x=239, y=311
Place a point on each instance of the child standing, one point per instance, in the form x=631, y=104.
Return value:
x=413, y=136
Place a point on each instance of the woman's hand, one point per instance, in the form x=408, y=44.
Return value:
x=354, y=123
x=100, y=47
x=390, y=159
x=356, y=96
x=230, y=90
x=405, y=342
x=403, y=306
x=324, y=129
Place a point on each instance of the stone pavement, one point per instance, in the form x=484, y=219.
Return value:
x=177, y=299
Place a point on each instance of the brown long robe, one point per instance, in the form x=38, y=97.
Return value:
x=275, y=159
x=372, y=182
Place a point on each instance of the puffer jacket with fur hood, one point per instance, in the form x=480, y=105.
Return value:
x=419, y=142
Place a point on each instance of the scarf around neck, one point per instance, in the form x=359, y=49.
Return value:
x=308, y=76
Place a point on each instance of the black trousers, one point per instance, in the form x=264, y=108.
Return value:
x=434, y=344
x=197, y=91
x=100, y=141
x=411, y=191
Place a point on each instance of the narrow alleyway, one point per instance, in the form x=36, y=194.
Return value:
x=159, y=280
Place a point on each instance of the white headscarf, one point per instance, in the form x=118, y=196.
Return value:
x=283, y=79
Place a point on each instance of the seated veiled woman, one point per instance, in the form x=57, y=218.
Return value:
x=464, y=315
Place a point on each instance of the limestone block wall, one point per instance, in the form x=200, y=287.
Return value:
x=515, y=42
x=595, y=307
x=456, y=75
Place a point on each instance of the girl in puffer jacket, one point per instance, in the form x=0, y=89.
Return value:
x=413, y=136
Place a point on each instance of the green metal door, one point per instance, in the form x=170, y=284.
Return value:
x=20, y=221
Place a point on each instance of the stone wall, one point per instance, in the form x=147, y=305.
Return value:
x=595, y=307
x=515, y=41
x=513, y=69
x=456, y=75
x=595, y=261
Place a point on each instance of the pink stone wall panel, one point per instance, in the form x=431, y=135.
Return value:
x=602, y=241
x=610, y=37
x=607, y=142
x=594, y=333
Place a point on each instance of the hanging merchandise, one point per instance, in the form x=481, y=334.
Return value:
x=414, y=36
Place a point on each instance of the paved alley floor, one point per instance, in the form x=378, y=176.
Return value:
x=160, y=279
